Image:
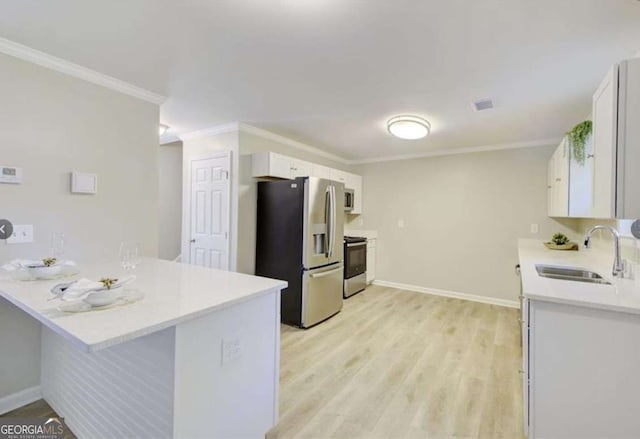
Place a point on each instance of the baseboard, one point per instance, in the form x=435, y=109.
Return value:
x=452, y=294
x=18, y=399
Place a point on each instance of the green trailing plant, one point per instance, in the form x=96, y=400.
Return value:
x=559, y=239
x=577, y=138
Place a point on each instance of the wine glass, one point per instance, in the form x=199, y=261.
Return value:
x=129, y=255
x=57, y=245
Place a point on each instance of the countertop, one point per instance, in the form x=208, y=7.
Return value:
x=622, y=295
x=369, y=234
x=174, y=293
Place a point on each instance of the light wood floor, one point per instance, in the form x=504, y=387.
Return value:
x=39, y=409
x=398, y=364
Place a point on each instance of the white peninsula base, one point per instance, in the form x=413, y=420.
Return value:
x=173, y=383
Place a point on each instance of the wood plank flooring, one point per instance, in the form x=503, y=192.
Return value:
x=397, y=364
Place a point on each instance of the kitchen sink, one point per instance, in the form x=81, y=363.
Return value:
x=570, y=273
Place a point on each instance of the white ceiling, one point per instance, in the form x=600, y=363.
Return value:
x=330, y=72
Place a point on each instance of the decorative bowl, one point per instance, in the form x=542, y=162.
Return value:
x=103, y=297
x=43, y=271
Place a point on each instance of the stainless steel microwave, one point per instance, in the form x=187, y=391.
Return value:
x=349, y=199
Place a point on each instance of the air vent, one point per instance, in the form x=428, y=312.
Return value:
x=483, y=104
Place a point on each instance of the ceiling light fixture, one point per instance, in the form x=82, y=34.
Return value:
x=163, y=129
x=408, y=127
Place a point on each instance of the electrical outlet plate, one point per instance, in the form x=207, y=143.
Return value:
x=231, y=348
x=22, y=234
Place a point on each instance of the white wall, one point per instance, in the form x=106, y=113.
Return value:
x=50, y=125
x=463, y=215
x=170, y=200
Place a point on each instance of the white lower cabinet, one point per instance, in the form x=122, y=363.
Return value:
x=581, y=369
x=371, y=260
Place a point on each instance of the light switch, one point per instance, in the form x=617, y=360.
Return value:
x=83, y=183
x=534, y=228
x=401, y=223
x=21, y=234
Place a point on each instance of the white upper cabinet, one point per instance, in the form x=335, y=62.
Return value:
x=320, y=171
x=605, y=117
x=628, y=140
x=271, y=164
x=606, y=184
x=300, y=168
x=338, y=175
x=558, y=182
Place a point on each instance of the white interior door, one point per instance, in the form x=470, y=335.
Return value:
x=209, y=245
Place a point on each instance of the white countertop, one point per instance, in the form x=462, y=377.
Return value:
x=622, y=295
x=369, y=234
x=174, y=293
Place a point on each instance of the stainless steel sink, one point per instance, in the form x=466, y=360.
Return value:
x=570, y=273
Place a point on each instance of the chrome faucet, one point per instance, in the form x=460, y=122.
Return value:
x=618, y=265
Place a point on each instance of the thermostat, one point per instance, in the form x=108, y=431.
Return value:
x=10, y=174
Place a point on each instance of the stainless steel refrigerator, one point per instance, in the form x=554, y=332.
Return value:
x=300, y=229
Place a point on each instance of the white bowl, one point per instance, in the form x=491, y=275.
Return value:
x=44, y=272
x=103, y=297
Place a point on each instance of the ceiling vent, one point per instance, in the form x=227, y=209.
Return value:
x=483, y=104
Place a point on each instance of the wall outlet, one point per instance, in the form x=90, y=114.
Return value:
x=231, y=349
x=360, y=222
x=534, y=228
x=21, y=234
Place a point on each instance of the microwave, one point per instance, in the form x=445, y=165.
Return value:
x=349, y=199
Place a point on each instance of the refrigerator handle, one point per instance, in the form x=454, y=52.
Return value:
x=327, y=220
x=333, y=220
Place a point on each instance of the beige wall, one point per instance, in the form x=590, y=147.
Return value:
x=463, y=216
x=50, y=125
x=250, y=143
x=170, y=200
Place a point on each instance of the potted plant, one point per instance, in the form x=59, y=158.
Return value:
x=577, y=139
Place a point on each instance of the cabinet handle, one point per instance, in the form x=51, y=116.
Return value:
x=558, y=179
x=520, y=371
x=193, y=240
x=590, y=156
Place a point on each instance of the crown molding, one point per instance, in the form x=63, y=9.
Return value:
x=34, y=56
x=290, y=142
x=455, y=151
x=211, y=131
x=239, y=126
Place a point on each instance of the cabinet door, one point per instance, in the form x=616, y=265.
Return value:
x=279, y=166
x=371, y=260
x=562, y=180
x=551, y=177
x=320, y=171
x=337, y=175
x=605, y=127
x=300, y=168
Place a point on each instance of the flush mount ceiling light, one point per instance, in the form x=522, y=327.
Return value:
x=408, y=127
x=163, y=129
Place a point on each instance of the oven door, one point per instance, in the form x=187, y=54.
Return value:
x=355, y=259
